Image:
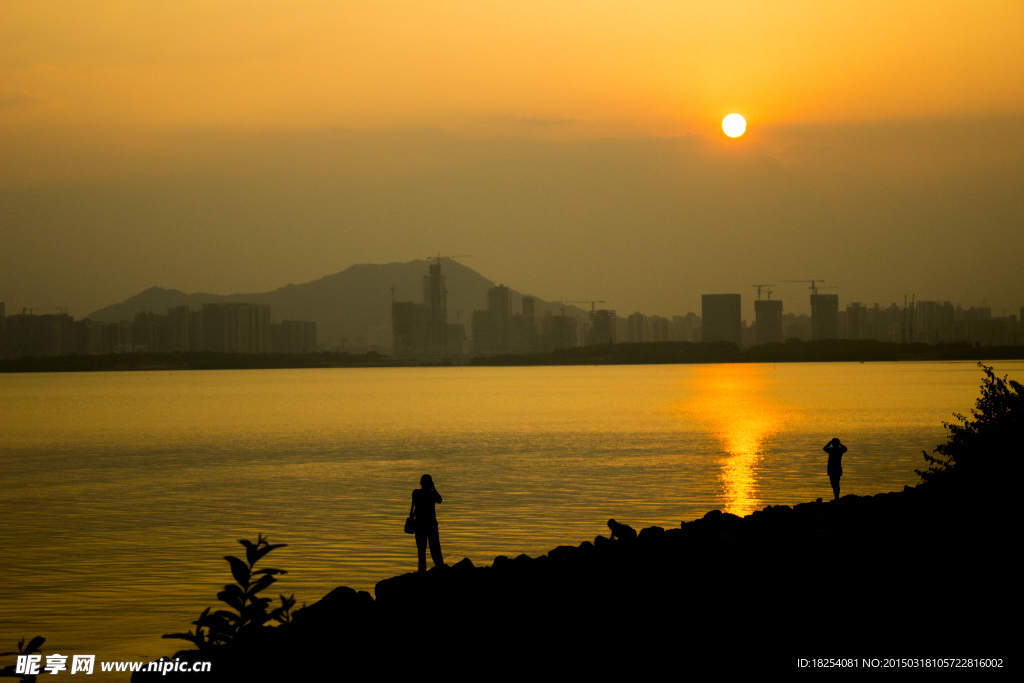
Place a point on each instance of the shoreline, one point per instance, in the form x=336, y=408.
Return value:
x=889, y=575
x=652, y=353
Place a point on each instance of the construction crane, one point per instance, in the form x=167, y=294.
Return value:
x=591, y=302
x=814, y=288
x=759, y=291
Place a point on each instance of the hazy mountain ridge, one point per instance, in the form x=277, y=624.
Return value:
x=344, y=305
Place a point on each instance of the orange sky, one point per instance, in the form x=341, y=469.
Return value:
x=583, y=66
x=573, y=146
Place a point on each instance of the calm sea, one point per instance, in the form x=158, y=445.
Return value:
x=122, y=492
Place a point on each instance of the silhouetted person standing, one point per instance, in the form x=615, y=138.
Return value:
x=835, y=450
x=422, y=512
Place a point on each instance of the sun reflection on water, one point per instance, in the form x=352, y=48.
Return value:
x=734, y=404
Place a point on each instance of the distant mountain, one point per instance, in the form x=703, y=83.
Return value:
x=344, y=305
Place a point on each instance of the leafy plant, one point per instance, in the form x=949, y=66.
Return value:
x=32, y=648
x=979, y=450
x=248, y=610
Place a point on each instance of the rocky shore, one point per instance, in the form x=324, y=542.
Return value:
x=925, y=572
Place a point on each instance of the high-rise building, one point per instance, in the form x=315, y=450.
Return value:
x=410, y=328
x=484, y=343
x=529, y=341
x=495, y=332
x=260, y=328
x=658, y=329
x=856, y=321
x=560, y=332
x=686, y=327
x=90, y=338
x=435, y=297
x=796, y=326
x=889, y=325
x=236, y=327
x=603, y=327
x=768, y=321
x=179, y=332
x=196, y=338
x=637, y=328
x=824, y=316
x=121, y=336
x=934, y=321
x=722, y=319
x=27, y=334
x=499, y=303
x=150, y=332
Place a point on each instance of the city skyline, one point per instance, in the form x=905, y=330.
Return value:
x=796, y=297
x=427, y=330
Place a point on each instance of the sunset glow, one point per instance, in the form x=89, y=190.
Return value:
x=739, y=414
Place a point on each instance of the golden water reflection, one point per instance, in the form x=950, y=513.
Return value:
x=735, y=403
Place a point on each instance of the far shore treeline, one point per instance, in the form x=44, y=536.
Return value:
x=652, y=353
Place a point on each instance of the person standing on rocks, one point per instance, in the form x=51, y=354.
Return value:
x=835, y=450
x=425, y=519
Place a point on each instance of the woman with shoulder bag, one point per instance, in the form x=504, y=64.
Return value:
x=423, y=522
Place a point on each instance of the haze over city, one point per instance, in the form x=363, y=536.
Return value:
x=575, y=151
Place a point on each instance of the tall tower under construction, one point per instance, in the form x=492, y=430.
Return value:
x=499, y=303
x=824, y=316
x=435, y=297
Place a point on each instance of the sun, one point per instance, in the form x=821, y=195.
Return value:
x=734, y=125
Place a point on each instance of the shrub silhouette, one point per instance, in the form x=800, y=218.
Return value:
x=32, y=648
x=978, y=451
x=249, y=610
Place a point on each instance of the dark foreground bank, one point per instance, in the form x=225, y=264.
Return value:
x=651, y=353
x=922, y=573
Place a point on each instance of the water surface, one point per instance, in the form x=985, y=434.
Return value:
x=123, y=491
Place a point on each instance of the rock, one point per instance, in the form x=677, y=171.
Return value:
x=713, y=515
x=332, y=606
x=562, y=552
x=500, y=561
x=463, y=565
x=601, y=541
x=651, y=534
